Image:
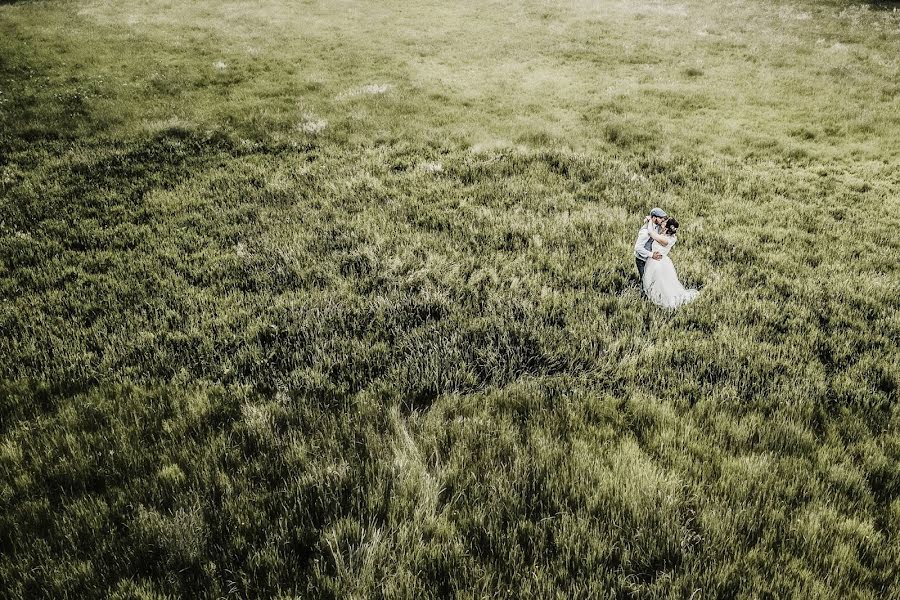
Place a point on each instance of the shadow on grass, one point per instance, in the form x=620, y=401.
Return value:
x=886, y=5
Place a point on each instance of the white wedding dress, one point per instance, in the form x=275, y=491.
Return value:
x=661, y=281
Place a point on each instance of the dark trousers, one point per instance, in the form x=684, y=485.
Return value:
x=640, y=265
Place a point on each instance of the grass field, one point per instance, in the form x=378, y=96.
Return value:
x=337, y=300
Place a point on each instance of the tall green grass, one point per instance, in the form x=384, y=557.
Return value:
x=311, y=299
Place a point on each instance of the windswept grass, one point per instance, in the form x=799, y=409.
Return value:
x=312, y=299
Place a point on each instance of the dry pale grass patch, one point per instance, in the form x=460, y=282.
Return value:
x=312, y=124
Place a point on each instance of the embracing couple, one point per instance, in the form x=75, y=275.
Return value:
x=659, y=281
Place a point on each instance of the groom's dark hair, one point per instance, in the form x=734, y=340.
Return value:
x=671, y=225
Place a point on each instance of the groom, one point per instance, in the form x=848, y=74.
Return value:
x=644, y=244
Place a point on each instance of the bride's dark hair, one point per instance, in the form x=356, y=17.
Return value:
x=671, y=226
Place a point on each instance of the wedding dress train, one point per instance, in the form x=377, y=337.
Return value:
x=661, y=282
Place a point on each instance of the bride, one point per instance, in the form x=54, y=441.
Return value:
x=660, y=279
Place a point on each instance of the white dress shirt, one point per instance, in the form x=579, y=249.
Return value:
x=643, y=237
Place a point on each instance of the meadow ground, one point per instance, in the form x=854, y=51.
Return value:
x=336, y=299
